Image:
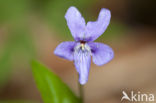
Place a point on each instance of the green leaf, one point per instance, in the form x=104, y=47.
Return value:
x=52, y=89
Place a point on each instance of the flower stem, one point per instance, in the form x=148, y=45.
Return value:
x=81, y=93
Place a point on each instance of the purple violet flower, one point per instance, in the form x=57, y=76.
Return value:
x=81, y=50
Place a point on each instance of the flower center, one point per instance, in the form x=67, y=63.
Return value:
x=82, y=47
x=82, y=42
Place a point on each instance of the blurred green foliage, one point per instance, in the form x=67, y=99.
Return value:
x=13, y=10
x=52, y=89
x=114, y=30
x=17, y=101
x=14, y=13
x=19, y=46
x=4, y=68
x=20, y=40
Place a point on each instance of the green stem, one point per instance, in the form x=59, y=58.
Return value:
x=81, y=93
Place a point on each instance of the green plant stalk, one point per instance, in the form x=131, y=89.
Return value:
x=81, y=93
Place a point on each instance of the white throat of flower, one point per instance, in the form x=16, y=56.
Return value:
x=82, y=60
x=83, y=48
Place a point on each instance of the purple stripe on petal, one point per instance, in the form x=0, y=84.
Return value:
x=96, y=28
x=76, y=23
x=65, y=50
x=101, y=53
x=82, y=61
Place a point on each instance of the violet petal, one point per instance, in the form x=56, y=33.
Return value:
x=65, y=50
x=101, y=53
x=96, y=28
x=82, y=61
x=76, y=23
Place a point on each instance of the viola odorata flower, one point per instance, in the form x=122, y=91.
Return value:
x=83, y=48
